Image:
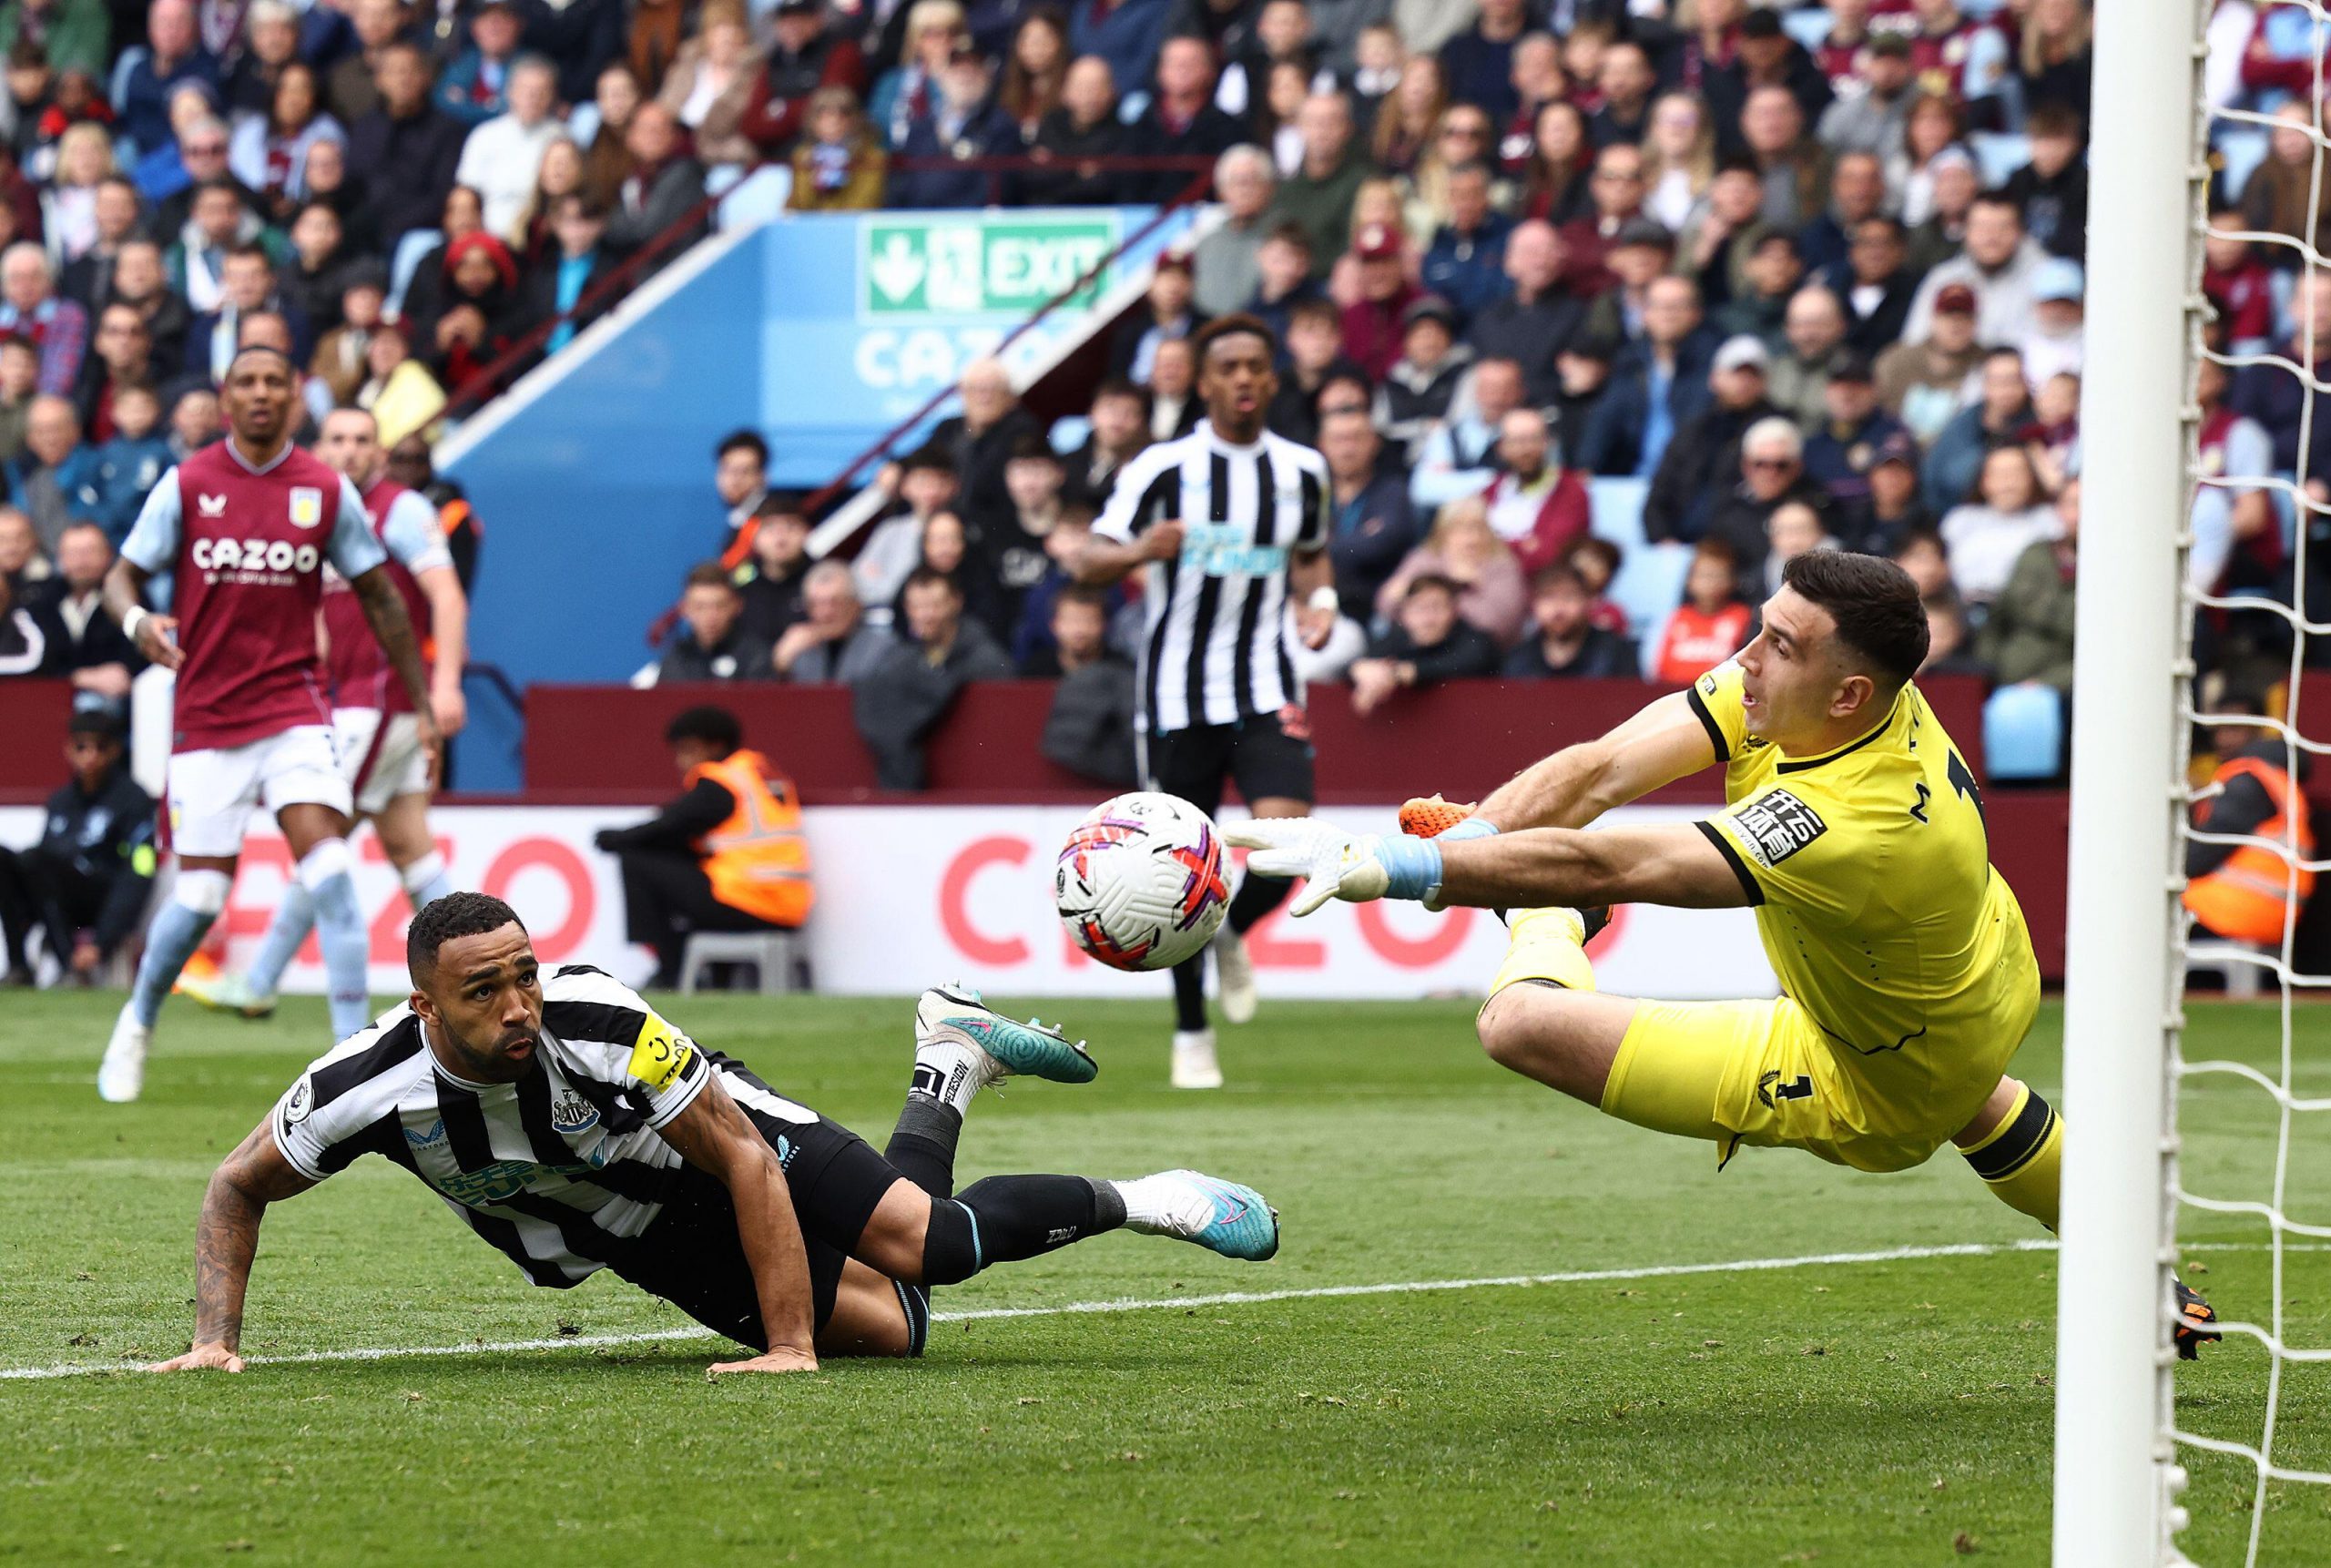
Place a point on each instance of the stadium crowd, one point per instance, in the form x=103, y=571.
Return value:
x=1599, y=312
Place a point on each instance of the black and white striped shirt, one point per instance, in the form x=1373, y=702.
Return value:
x=1214, y=649
x=559, y=1170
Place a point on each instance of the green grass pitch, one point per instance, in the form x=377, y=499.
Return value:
x=1866, y=1413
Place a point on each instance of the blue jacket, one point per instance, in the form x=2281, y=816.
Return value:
x=1842, y=463
x=122, y=472
x=1469, y=271
x=141, y=97
x=989, y=132
x=1612, y=443
x=1128, y=36
x=73, y=477
x=462, y=94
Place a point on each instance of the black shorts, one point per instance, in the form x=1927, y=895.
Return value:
x=690, y=1254
x=1265, y=754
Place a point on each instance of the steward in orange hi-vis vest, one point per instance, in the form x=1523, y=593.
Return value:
x=756, y=859
x=2244, y=891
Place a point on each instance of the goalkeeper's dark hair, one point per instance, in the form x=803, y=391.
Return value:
x=716, y=727
x=446, y=918
x=1875, y=603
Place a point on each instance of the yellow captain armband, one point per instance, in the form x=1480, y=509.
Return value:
x=660, y=1055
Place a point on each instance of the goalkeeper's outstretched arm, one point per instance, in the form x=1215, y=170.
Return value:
x=1576, y=785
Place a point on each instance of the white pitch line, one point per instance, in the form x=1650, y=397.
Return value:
x=1220, y=1299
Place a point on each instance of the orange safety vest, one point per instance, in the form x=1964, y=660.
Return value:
x=2245, y=898
x=757, y=860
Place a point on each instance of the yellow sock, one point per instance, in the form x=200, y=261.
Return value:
x=2021, y=1160
x=1545, y=944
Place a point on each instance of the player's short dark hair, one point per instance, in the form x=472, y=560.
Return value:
x=1238, y=325
x=1874, y=603
x=1118, y=386
x=251, y=250
x=18, y=341
x=1321, y=310
x=104, y=724
x=783, y=504
x=930, y=577
x=2049, y=118
x=742, y=441
x=1432, y=582
x=1291, y=233
x=447, y=918
x=215, y=182
x=929, y=456
x=708, y=574
x=1082, y=594
x=1032, y=447
x=716, y=727
x=1556, y=574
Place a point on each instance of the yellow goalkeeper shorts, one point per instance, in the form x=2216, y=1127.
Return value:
x=1762, y=1072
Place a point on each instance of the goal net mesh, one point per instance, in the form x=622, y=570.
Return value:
x=2250, y=1211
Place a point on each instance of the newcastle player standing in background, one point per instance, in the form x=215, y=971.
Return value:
x=1231, y=522
x=245, y=524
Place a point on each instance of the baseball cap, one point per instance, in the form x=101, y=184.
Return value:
x=1853, y=365
x=1643, y=231
x=1897, y=44
x=1761, y=24
x=1743, y=352
x=1955, y=300
x=1429, y=308
x=1376, y=242
x=2060, y=278
x=1896, y=448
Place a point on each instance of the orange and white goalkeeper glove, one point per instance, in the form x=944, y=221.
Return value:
x=1423, y=818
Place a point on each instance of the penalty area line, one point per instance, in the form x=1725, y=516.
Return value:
x=1073, y=1308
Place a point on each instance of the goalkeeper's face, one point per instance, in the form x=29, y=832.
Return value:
x=1796, y=681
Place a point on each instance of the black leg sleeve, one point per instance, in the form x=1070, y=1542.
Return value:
x=1003, y=1220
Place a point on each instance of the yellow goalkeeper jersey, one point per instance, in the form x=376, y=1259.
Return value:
x=1870, y=872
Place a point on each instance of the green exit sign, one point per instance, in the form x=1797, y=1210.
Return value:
x=977, y=265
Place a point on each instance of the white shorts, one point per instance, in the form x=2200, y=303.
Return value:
x=380, y=761
x=211, y=793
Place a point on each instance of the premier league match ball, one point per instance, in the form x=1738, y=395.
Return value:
x=1139, y=883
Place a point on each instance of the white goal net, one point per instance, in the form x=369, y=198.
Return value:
x=2235, y=1464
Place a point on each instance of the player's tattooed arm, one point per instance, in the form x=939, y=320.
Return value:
x=226, y=1239
x=124, y=600
x=1663, y=742
x=384, y=609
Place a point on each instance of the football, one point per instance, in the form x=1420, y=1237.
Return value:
x=1139, y=882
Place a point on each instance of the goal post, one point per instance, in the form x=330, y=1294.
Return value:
x=2114, y=1468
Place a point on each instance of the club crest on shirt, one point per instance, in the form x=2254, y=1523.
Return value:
x=1776, y=825
x=302, y=1100
x=307, y=507
x=571, y=1113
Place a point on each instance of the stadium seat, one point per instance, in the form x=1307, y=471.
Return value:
x=1810, y=26
x=1649, y=587
x=1069, y=432
x=750, y=200
x=779, y=959
x=412, y=250
x=1998, y=154
x=2239, y=149
x=1614, y=508
x=2024, y=732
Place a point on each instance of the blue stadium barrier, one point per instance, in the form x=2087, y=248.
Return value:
x=1808, y=26
x=1615, y=507
x=1998, y=154
x=2024, y=732
x=1649, y=587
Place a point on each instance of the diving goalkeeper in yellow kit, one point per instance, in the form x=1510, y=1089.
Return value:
x=1855, y=831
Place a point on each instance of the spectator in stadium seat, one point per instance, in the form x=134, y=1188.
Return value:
x=831, y=643
x=84, y=885
x=1465, y=264
x=1125, y=33
x=1991, y=530
x=118, y=214
x=51, y=479
x=1794, y=529
x=1922, y=383
x=1699, y=461
x=1093, y=723
x=1679, y=160
x=1083, y=128
x=1892, y=510
x=945, y=548
x=129, y=463
x=1318, y=195
x=1711, y=624
x=474, y=86
x=1173, y=406
x=24, y=566
x=770, y=580
x=740, y=479
x=1857, y=194
x=1427, y=643
x=2001, y=416
x=606, y=148
x=247, y=285
x=1010, y=545
x=1555, y=175
x=1166, y=312
x=2285, y=188
x=980, y=439
x=1789, y=164
x=502, y=154
x=1417, y=392
x=2237, y=536
x=1771, y=475
x=32, y=310
x=2240, y=286
x=146, y=78
x=1956, y=183
x=19, y=384
x=405, y=151
x=349, y=81
x=71, y=35
x=1853, y=430
x=2051, y=189
x=1875, y=284
x=2056, y=344
x=1871, y=120
x=1118, y=421
x=1530, y=324
x=559, y=282
x=838, y=166
x=2273, y=396
x=581, y=37
x=1315, y=347
x=1581, y=372
x=84, y=647
x=1625, y=81
x=1639, y=255
x=1615, y=190
x=1998, y=261
x=899, y=702
x=2027, y=639
x=1719, y=241
x=712, y=643
x=1181, y=121
x=966, y=123
x=1537, y=507
x=1284, y=265
x=664, y=184
x=726, y=854
x=1079, y=640
x=1371, y=525
x=310, y=281
x=1229, y=269
x=195, y=421
x=1461, y=453
x=1658, y=384
x=1564, y=642
x=1812, y=347
x=1478, y=61
x=1759, y=303
x=923, y=484
x=1492, y=594
x=1373, y=323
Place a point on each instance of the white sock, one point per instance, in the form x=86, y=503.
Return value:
x=949, y=1072
x=1149, y=1203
